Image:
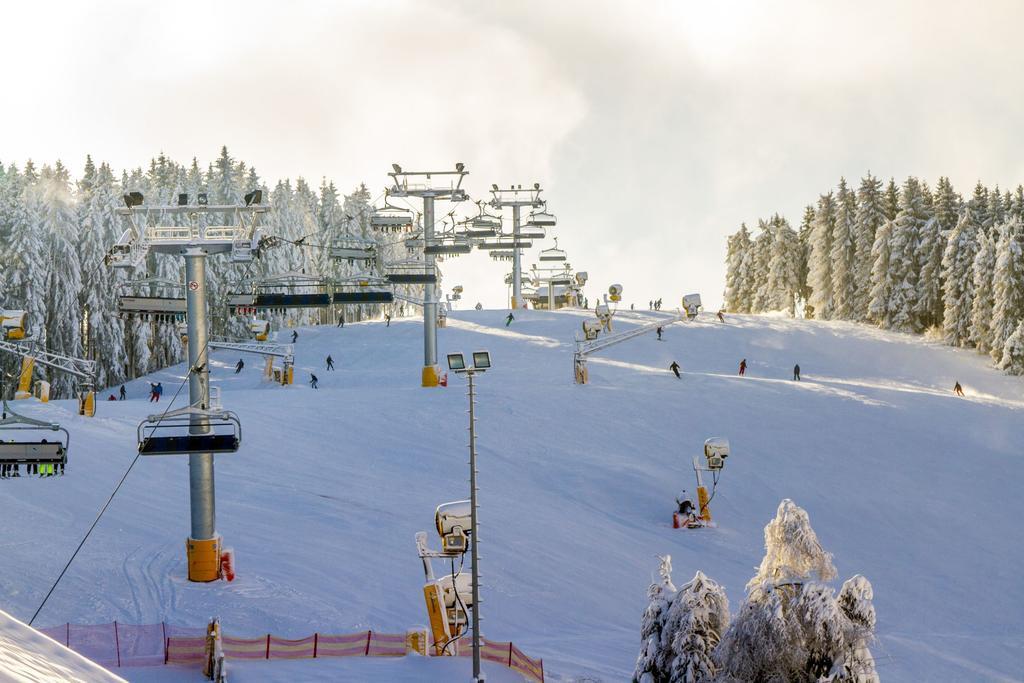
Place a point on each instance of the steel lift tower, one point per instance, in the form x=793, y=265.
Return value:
x=429, y=185
x=194, y=241
x=516, y=197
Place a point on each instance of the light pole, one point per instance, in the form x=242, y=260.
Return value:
x=457, y=364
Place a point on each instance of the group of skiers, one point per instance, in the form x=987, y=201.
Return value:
x=9, y=470
x=654, y=305
x=156, y=390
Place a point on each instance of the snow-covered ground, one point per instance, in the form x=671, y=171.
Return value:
x=905, y=483
x=27, y=655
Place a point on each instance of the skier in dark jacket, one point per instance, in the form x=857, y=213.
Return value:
x=796, y=372
x=743, y=367
x=509, y=319
x=123, y=393
x=675, y=368
x=341, y=321
x=330, y=363
x=721, y=316
x=239, y=365
x=659, y=333
x=295, y=336
x=313, y=381
x=957, y=389
x=387, y=320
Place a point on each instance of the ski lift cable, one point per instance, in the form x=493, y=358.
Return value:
x=106, y=505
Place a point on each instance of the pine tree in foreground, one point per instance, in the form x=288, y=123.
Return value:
x=650, y=663
x=1013, y=352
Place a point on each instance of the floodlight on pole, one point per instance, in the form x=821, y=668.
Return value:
x=457, y=364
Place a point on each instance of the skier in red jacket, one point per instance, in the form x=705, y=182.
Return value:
x=743, y=367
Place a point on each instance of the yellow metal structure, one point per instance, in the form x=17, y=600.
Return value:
x=702, y=503
x=430, y=376
x=42, y=391
x=417, y=640
x=438, y=619
x=25, y=379
x=287, y=375
x=203, y=559
x=582, y=373
x=87, y=404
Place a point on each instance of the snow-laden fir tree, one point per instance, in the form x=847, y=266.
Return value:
x=806, y=228
x=783, y=281
x=843, y=254
x=904, y=268
x=1007, y=286
x=881, y=278
x=697, y=620
x=984, y=298
x=819, y=276
x=958, y=276
x=650, y=663
x=791, y=626
x=891, y=200
x=870, y=216
x=737, y=279
x=1013, y=352
x=762, y=253
x=931, y=245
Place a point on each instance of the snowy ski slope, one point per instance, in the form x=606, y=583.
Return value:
x=914, y=488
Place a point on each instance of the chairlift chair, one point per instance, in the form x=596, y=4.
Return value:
x=171, y=433
x=532, y=232
x=364, y=290
x=483, y=226
x=44, y=456
x=502, y=255
x=553, y=253
x=541, y=219
x=353, y=249
x=410, y=273
x=391, y=218
x=449, y=244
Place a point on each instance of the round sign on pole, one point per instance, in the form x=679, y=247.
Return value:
x=193, y=285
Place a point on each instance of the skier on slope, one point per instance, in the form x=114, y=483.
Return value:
x=330, y=363
x=387, y=320
x=123, y=392
x=721, y=316
x=659, y=333
x=239, y=366
x=675, y=368
x=509, y=319
x=313, y=381
x=957, y=389
x=743, y=367
x=341, y=321
x=796, y=372
x=295, y=336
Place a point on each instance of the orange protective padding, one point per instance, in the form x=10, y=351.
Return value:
x=203, y=559
x=702, y=503
x=439, y=628
x=533, y=669
x=348, y=645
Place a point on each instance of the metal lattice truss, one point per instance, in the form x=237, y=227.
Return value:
x=85, y=370
x=272, y=349
x=586, y=348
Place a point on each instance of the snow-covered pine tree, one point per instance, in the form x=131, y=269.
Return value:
x=978, y=204
x=819, y=276
x=855, y=601
x=736, y=288
x=698, y=618
x=904, y=268
x=28, y=252
x=98, y=199
x=958, y=276
x=1017, y=205
x=783, y=282
x=931, y=244
x=1007, y=286
x=64, y=274
x=891, y=200
x=984, y=297
x=806, y=228
x=870, y=216
x=660, y=594
x=1013, y=352
x=791, y=627
x=996, y=211
x=843, y=254
x=881, y=277
x=762, y=254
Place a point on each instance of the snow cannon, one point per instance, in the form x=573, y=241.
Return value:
x=582, y=277
x=691, y=304
x=12, y=323
x=591, y=330
x=716, y=450
x=615, y=293
x=453, y=521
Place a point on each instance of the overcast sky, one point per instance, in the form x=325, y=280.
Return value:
x=655, y=127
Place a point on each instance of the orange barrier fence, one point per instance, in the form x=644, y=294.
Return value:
x=126, y=645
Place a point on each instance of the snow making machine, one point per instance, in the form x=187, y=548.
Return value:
x=450, y=597
x=12, y=324
x=692, y=305
x=686, y=516
x=22, y=444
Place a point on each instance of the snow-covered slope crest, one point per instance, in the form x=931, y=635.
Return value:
x=905, y=483
x=27, y=655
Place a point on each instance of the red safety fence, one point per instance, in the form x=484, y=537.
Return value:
x=126, y=645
